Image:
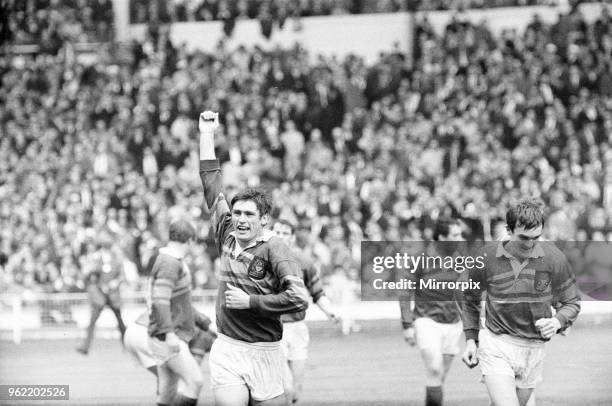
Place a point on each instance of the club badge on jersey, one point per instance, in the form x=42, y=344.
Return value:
x=257, y=268
x=542, y=280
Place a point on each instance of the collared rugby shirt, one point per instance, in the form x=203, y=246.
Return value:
x=312, y=280
x=520, y=294
x=170, y=308
x=267, y=270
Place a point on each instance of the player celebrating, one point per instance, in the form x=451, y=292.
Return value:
x=295, y=331
x=435, y=323
x=260, y=279
x=523, y=278
x=104, y=281
x=172, y=319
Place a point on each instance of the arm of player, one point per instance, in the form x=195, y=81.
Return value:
x=164, y=280
x=312, y=281
x=407, y=318
x=566, y=299
x=210, y=174
x=326, y=307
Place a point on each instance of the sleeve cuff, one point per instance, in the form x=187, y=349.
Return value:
x=254, y=302
x=209, y=165
x=471, y=334
x=406, y=324
x=562, y=320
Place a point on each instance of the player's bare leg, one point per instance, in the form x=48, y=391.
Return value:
x=530, y=402
x=298, y=370
x=434, y=365
x=120, y=324
x=167, y=385
x=524, y=395
x=447, y=360
x=95, y=314
x=235, y=395
x=503, y=391
x=188, y=370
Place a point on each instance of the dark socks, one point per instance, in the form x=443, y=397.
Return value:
x=433, y=396
x=185, y=401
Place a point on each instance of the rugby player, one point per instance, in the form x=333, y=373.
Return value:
x=103, y=289
x=435, y=323
x=260, y=279
x=523, y=278
x=172, y=320
x=295, y=331
x=136, y=340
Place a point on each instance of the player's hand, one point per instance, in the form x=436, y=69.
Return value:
x=548, y=327
x=209, y=122
x=470, y=355
x=409, y=336
x=173, y=343
x=236, y=298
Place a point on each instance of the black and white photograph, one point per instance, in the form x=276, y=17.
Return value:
x=305, y=202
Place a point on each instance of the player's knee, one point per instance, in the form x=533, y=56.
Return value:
x=435, y=371
x=198, y=380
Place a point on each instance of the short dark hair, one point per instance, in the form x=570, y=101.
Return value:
x=526, y=213
x=181, y=231
x=257, y=195
x=443, y=226
x=286, y=223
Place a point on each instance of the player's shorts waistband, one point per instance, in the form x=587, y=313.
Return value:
x=258, y=345
x=520, y=341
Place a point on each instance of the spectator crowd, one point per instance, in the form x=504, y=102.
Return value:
x=51, y=23
x=275, y=13
x=350, y=152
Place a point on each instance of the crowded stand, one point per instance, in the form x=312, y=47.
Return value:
x=49, y=24
x=107, y=153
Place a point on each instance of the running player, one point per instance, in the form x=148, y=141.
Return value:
x=523, y=279
x=136, y=340
x=103, y=289
x=172, y=320
x=435, y=323
x=295, y=331
x=260, y=279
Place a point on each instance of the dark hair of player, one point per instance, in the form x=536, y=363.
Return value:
x=443, y=226
x=287, y=223
x=181, y=231
x=258, y=196
x=527, y=213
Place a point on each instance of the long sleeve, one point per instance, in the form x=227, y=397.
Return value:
x=293, y=296
x=565, y=294
x=471, y=304
x=210, y=174
x=165, y=275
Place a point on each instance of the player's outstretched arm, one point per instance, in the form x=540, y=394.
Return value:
x=208, y=124
x=210, y=174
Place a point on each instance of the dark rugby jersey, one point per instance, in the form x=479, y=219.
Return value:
x=436, y=304
x=267, y=270
x=312, y=280
x=518, y=296
x=170, y=308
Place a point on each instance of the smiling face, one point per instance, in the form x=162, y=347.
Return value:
x=247, y=221
x=523, y=240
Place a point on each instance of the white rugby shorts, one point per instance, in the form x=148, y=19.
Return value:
x=519, y=358
x=259, y=366
x=440, y=337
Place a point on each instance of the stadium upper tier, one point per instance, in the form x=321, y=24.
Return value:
x=352, y=151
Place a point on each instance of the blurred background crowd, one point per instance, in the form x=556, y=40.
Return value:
x=105, y=154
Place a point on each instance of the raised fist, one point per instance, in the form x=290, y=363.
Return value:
x=209, y=121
